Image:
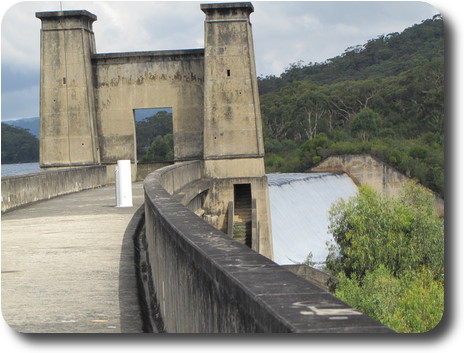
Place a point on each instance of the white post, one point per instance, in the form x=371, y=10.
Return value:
x=123, y=184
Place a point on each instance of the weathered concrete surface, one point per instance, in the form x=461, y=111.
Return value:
x=160, y=79
x=24, y=189
x=67, y=105
x=233, y=137
x=204, y=281
x=68, y=266
x=367, y=170
x=216, y=208
x=232, y=121
x=143, y=169
x=321, y=279
x=88, y=101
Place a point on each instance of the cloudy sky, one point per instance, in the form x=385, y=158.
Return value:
x=284, y=33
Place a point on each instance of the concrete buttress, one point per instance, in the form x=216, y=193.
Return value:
x=68, y=133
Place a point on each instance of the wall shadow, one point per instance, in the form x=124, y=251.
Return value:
x=129, y=305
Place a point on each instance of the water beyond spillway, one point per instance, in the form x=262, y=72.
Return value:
x=300, y=203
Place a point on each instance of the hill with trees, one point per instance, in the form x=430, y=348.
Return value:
x=18, y=145
x=385, y=98
x=30, y=124
x=154, y=138
x=387, y=55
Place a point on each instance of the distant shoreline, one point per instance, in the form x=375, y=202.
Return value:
x=14, y=169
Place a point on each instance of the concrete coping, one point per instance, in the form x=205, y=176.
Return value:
x=229, y=5
x=156, y=53
x=278, y=298
x=72, y=13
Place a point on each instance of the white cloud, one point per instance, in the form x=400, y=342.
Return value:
x=146, y=26
x=284, y=32
x=314, y=31
x=20, y=103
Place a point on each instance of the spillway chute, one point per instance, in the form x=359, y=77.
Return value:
x=299, y=204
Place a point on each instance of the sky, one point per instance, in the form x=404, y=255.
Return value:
x=284, y=32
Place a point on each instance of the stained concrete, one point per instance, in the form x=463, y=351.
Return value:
x=67, y=265
x=88, y=101
x=20, y=190
x=203, y=281
x=367, y=170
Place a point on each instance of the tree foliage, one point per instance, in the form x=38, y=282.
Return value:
x=389, y=257
x=160, y=150
x=406, y=105
x=385, y=98
x=365, y=124
x=410, y=304
x=18, y=145
x=154, y=138
x=387, y=55
x=403, y=234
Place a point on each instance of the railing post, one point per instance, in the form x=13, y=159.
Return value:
x=230, y=219
x=254, y=226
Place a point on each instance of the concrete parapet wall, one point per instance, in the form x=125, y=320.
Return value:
x=321, y=279
x=21, y=190
x=364, y=169
x=143, y=169
x=201, y=280
x=175, y=177
x=367, y=170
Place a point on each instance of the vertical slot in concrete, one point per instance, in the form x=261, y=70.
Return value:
x=242, y=214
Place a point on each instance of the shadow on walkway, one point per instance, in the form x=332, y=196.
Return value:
x=129, y=306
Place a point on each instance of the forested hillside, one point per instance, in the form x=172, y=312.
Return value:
x=30, y=124
x=385, y=98
x=154, y=138
x=18, y=145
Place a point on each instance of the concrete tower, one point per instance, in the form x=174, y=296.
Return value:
x=233, y=140
x=238, y=201
x=67, y=107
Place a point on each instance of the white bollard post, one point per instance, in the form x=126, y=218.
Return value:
x=123, y=184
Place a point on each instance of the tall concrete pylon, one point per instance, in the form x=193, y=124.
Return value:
x=68, y=135
x=233, y=149
x=233, y=139
x=88, y=102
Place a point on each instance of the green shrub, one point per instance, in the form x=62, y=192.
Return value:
x=402, y=234
x=316, y=159
x=389, y=257
x=411, y=304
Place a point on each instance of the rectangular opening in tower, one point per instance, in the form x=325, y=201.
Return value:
x=242, y=214
x=154, y=135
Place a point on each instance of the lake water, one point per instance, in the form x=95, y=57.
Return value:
x=19, y=169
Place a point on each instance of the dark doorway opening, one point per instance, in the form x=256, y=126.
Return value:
x=242, y=214
x=153, y=130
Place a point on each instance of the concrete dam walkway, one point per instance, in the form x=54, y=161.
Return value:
x=68, y=266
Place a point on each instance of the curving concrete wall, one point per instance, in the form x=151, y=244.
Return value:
x=143, y=169
x=364, y=169
x=20, y=190
x=367, y=170
x=200, y=280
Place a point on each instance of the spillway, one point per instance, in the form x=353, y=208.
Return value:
x=300, y=203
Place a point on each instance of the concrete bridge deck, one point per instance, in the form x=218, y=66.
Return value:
x=68, y=267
